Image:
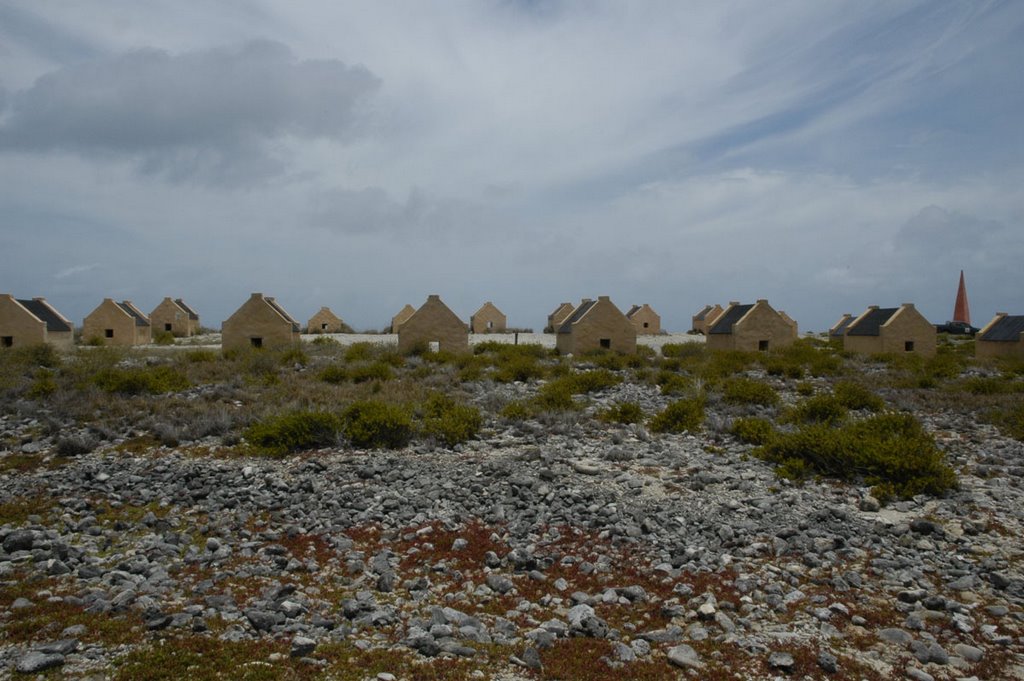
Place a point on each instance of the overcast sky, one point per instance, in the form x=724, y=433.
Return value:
x=362, y=155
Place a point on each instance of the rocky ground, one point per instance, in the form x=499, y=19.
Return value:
x=539, y=550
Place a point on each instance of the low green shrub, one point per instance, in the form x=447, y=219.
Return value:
x=555, y=395
x=983, y=385
x=753, y=430
x=333, y=373
x=43, y=385
x=200, y=356
x=742, y=390
x=375, y=424
x=163, y=338
x=817, y=409
x=674, y=384
x=680, y=416
x=856, y=397
x=376, y=371
x=888, y=448
x=1009, y=420
x=516, y=411
x=593, y=381
x=804, y=389
x=280, y=435
x=325, y=342
x=522, y=368
x=359, y=352
x=622, y=412
x=448, y=421
x=683, y=350
x=294, y=355
x=140, y=380
x=780, y=366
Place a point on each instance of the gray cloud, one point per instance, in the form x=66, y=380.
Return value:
x=205, y=114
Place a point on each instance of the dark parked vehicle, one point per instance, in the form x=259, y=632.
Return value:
x=957, y=328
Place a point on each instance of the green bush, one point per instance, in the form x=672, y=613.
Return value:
x=1009, y=420
x=325, y=342
x=163, y=338
x=622, y=412
x=200, y=356
x=855, y=396
x=516, y=411
x=593, y=381
x=779, y=366
x=752, y=430
x=448, y=421
x=742, y=390
x=377, y=371
x=555, y=395
x=359, y=352
x=521, y=368
x=804, y=389
x=374, y=424
x=683, y=350
x=140, y=380
x=674, y=384
x=979, y=385
x=43, y=385
x=888, y=448
x=294, y=355
x=817, y=409
x=333, y=373
x=680, y=416
x=293, y=432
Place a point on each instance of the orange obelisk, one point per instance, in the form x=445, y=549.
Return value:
x=961, y=310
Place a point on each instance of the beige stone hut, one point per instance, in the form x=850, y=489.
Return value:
x=645, y=320
x=488, y=319
x=401, y=318
x=260, y=323
x=175, y=317
x=594, y=325
x=434, y=323
x=791, y=322
x=32, y=322
x=838, y=330
x=890, y=330
x=117, y=324
x=1001, y=337
x=750, y=327
x=325, y=321
x=559, y=315
x=705, y=319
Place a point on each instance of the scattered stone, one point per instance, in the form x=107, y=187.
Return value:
x=685, y=657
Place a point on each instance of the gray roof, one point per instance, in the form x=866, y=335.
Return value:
x=576, y=315
x=273, y=304
x=700, y=316
x=870, y=324
x=44, y=313
x=1007, y=329
x=633, y=310
x=838, y=331
x=730, y=317
x=191, y=313
x=139, y=319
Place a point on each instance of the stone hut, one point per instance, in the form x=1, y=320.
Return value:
x=259, y=323
x=750, y=327
x=488, y=319
x=1001, y=337
x=401, y=318
x=791, y=322
x=433, y=323
x=891, y=330
x=645, y=320
x=117, y=324
x=595, y=325
x=32, y=322
x=560, y=314
x=838, y=330
x=325, y=321
x=175, y=317
x=706, y=318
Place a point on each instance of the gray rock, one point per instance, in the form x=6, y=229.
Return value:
x=499, y=583
x=781, y=660
x=916, y=674
x=35, y=662
x=969, y=652
x=19, y=540
x=622, y=652
x=531, y=659
x=897, y=636
x=828, y=662
x=302, y=646
x=685, y=657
